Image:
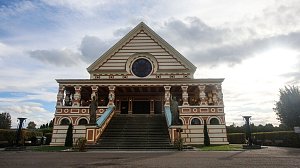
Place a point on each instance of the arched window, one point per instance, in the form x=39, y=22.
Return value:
x=214, y=121
x=83, y=121
x=180, y=121
x=65, y=121
x=195, y=121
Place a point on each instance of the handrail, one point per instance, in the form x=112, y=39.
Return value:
x=102, y=119
x=168, y=115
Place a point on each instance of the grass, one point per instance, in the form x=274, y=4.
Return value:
x=231, y=147
x=46, y=148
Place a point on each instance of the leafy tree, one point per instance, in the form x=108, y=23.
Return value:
x=5, y=121
x=51, y=123
x=206, y=137
x=31, y=125
x=69, y=137
x=288, y=106
x=42, y=126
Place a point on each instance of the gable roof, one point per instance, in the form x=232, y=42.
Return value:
x=141, y=27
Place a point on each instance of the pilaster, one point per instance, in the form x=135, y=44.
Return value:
x=167, y=95
x=202, y=95
x=77, y=96
x=60, y=95
x=219, y=94
x=111, y=95
x=185, y=96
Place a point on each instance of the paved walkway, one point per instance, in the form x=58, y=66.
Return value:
x=267, y=157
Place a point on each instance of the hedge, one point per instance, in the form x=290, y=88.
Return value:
x=279, y=138
x=8, y=136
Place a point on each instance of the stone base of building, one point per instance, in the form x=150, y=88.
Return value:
x=60, y=132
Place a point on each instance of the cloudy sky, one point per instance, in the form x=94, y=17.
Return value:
x=253, y=44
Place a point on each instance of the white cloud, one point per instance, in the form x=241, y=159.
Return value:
x=31, y=111
x=63, y=57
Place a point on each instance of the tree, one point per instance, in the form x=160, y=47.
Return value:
x=31, y=125
x=51, y=123
x=69, y=137
x=206, y=137
x=5, y=121
x=42, y=126
x=288, y=106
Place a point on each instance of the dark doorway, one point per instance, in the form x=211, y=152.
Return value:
x=141, y=107
x=124, y=107
x=157, y=107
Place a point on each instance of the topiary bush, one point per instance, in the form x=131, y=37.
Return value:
x=69, y=137
x=206, y=136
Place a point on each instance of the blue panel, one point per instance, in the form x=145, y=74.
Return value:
x=168, y=115
x=101, y=120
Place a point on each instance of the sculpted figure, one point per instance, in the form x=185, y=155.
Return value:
x=93, y=109
x=174, y=110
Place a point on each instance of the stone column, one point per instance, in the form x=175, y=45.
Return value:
x=219, y=94
x=111, y=95
x=77, y=96
x=60, y=95
x=185, y=96
x=214, y=95
x=130, y=105
x=151, y=106
x=167, y=95
x=202, y=95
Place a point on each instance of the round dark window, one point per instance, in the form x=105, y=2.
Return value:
x=141, y=67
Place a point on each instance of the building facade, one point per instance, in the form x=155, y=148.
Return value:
x=140, y=74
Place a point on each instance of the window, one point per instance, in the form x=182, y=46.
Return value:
x=214, y=121
x=195, y=121
x=141, y=67
x=65, y=121
x=83, y=121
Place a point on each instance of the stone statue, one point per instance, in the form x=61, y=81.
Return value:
x=174, y=110
x=93, y=110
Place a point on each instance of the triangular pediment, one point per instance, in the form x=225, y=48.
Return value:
x=141, y=42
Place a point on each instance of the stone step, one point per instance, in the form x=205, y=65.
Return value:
x=135, y=132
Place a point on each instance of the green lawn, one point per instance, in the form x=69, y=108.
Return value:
x=46, y=148
x=231, y=147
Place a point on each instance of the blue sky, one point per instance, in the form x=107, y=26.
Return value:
x=253, y=44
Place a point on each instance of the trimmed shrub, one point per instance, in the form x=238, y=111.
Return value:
x=206, y=136
x=69, y=137
x=279, y=138
x=236, y=138
x=8, y=136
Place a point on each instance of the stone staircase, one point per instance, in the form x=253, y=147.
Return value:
x=138, y=131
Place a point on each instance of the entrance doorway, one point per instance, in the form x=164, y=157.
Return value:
x=157, y=107
x=124, y=107
x=141, y=107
